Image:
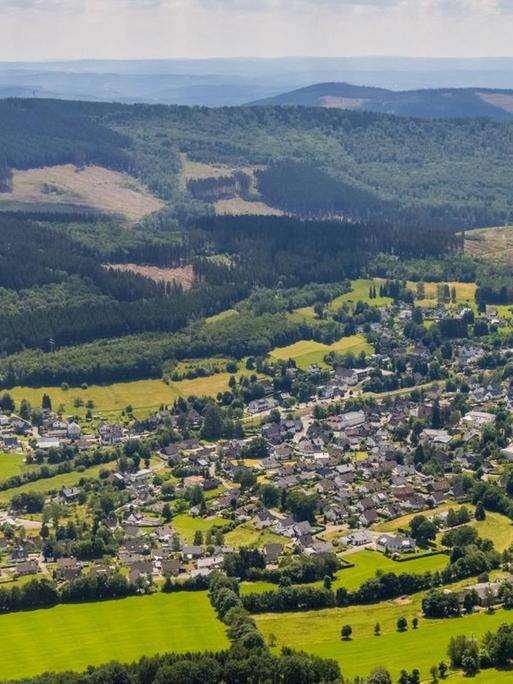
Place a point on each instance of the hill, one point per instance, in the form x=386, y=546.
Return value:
x=436, y=104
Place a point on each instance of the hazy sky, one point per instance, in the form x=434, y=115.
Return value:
x=45, y=29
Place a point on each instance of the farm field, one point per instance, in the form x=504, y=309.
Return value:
x=92, y=186
x=51, y=484
x=143, y=395
x=75, y=636
x=307, y=352
x=318, y=632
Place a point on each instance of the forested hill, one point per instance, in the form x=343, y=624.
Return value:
x=448, y=172
x=429, y=104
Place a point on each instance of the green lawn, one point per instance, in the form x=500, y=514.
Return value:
x=307, y=352
x=52, y=484
x=75, y=636
x=318, y=632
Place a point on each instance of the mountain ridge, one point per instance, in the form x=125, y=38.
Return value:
x=493, y=103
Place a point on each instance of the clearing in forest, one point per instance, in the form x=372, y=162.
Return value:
x=184, y=275
x=92, y=186
x=307, y=352
x=490, y=244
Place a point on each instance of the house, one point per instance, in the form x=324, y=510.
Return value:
x=73, y=431
x=263, y=519
x=27, y=567
x=68, y=569
x=477, y=419
x=390, y=543
x=271, y=553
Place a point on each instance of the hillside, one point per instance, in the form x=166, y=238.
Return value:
x=436, y=104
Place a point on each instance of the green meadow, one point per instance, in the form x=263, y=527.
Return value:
x=71, y=637
x=318, y=632
x=52, y=484
x=307, y=352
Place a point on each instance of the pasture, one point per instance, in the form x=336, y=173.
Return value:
x=71, y=637
x=318, y=632
x=307, y=352
x=92, y=186
x=52, y=484
x=185, y=525
x=144, y=396
x=360, y=293
x=11, y=464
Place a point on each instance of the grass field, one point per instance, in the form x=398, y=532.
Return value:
x=465, y=293
x=143, y=395
x=307, y=352
x=496, y=527
x=93, y=186
x=186, y=525
x=318, y=632
x=75, y=636
x=360, y=293
x=404, y=520
x=12, y=464
x=51, y=484
x=247, y=535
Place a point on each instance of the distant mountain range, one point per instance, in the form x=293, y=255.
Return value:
x=435, y=104
x=232, y=82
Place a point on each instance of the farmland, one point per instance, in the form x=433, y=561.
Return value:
x=75, y=636
x=318, y=632
x=51, y=484
x=307, y=352
x=93, y=186
x=143, y=395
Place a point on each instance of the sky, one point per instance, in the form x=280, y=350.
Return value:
x=140, y=29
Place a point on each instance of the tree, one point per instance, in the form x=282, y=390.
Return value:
x=415, y=622
x=402, y=624
x=7, y=403
x=470, y=600
x=442, y=669
x=346, y=632
x=379, y=676
x=269, y=495
x=167, y=513
x=377, y=629
x=434, y=674
x=198, y=538
x=212, y=424
x=479, y=513
x=46, y=402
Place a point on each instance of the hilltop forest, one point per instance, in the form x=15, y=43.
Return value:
x=351, y=187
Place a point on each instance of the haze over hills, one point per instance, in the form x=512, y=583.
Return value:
x=218, y=82
x=440, y=103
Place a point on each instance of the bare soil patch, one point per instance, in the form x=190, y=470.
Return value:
x=490, y=244
x=92, y=186
x=181, y=274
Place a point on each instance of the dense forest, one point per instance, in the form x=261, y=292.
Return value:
x=449, y=172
